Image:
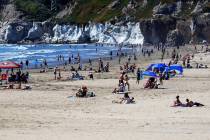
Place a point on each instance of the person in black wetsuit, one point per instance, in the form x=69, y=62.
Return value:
x=191, y=103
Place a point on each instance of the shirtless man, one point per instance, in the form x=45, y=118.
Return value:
x=177, y=102
x=191, y=103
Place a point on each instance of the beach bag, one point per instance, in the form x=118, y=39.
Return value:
x=91, y=94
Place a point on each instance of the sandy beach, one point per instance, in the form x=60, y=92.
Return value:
x=48, y=112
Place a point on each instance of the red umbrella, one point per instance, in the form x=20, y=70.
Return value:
x=9, y=65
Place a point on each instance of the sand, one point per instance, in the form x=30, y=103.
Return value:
x=48, y=113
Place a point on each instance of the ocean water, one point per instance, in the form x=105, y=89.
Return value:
x=37, y=53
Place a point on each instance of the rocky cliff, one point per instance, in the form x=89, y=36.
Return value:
x=174, y=22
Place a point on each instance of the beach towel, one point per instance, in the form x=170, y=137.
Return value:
x=123, y=92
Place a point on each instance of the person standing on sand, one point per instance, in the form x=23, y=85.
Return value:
x=90, y=62
x=69, y=60
x=139, y=75
x=91, y=75
x=36, y=64
x=18, y=76
x=119, y=59
x=111, y=55
x=78, y=57
x=126, y=82
x=129, y=59
x=21, y=65
x=161, y=78
x=134, y=57
x=45, y=63
x=27, y=63
x=59, y=74
x=55, y=73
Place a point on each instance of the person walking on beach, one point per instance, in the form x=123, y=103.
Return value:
x=69, y=60
x=27, y=63
x=45, y=63
x=111, y=55
x=78, y=57
x=90, y=62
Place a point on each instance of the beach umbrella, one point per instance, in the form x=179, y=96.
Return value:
x=149, y=73
x=9, y=65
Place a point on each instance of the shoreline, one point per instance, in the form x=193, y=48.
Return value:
x=61, y=49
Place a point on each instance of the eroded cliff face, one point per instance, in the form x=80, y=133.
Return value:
x=46, y=32
x=201, y=27
x=155, y=30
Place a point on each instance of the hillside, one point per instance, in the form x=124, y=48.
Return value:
x=175, y=22
x=82, y=11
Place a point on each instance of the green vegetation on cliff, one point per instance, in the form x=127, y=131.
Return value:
x=95, y=10
x=33, y=9
x=82, y=11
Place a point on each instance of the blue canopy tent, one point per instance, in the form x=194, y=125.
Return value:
x=160, y=66
x=177, y=68
x=149, y=73
x=150, y=67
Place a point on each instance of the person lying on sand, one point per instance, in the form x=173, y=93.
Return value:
x=191, y=103
x=125, y=100
x=26, y=87
x=10, y=86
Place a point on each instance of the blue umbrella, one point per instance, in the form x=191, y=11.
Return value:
x=149, y=73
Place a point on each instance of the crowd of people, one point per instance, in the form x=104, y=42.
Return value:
x=11, y=78
x=123, y=85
